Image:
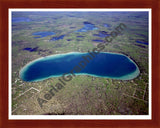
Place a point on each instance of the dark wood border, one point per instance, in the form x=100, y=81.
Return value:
x=6, y=4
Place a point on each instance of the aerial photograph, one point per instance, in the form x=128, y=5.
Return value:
x=79, y=62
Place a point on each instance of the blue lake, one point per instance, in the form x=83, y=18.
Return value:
x=20, y=19
x=108, y=65
x=57, y=38
x=102, y=34
x=97, y=40
x=87, y=27
x=31, y=49
x=69, y=39
x=142, y=42
x=42, y=34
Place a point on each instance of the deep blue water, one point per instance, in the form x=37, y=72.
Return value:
x=57, y=38
x=69, y=39
x=142, y=42
x=97, y=40
x=102, y=34
x=31, y=49
x=109, y=65
x=20, y=19
x=87, y=27
x=42, y=34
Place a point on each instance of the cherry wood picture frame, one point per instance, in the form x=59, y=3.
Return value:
x=120, y=4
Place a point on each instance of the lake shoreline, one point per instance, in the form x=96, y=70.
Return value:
x=54, y=56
